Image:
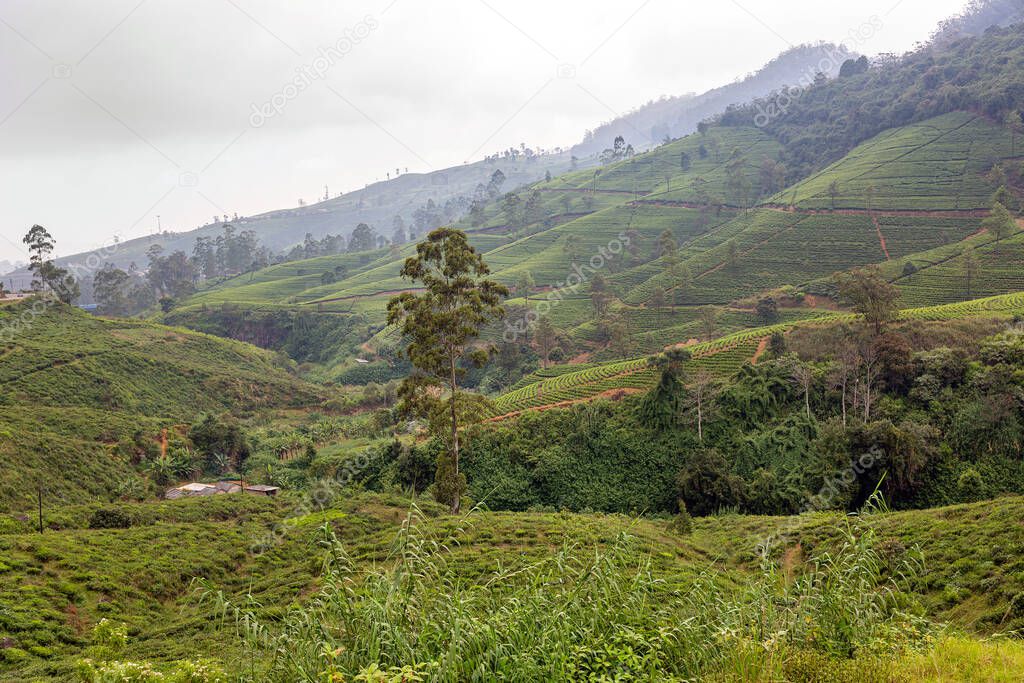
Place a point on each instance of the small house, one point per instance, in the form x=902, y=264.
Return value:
x=261, y=490
x=219, y=488
x=192, y=489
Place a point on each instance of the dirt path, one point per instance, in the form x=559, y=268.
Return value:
x=791, y=561
x=786, y=208
x=761, y=347
x=881, y=237
x=587, y=189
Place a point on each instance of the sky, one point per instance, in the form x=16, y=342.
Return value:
x=116, y=112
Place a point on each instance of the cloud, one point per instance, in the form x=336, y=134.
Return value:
x=103, y=105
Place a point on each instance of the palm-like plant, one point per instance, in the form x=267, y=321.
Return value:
x=661, y=405
x=161, y=469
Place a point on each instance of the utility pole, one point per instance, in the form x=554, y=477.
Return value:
x=40, y=491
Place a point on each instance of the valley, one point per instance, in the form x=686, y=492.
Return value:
x=742, y=403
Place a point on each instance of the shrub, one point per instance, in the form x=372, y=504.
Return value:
x=364, y=373
x=706, y=485
x=110, y=518
x=970, y=486
x=682, y=523
x=109, y=633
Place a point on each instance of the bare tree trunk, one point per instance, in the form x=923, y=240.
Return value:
x=867, y=396
x=700, y=418
x=856, y=393
x=844, y=402
x=455, y=504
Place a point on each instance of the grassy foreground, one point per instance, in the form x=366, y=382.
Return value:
x=544, y=594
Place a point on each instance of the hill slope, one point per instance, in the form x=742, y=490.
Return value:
x=80, y=395
x=904, y=196
x=827, y=120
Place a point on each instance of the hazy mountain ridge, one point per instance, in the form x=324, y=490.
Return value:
x=377, y=204
x=677, y=116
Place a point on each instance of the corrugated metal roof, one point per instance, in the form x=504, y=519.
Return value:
x=195, y=486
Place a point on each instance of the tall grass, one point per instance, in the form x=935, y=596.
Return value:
x=579, y=614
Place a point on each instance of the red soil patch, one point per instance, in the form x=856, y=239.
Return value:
x=815, y=301
x=791, y=560
x=682, y=345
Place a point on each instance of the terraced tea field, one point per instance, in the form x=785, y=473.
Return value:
x=934, y=165
x=919, y=175
x=999, y=269
x=723, y=356
x=668, y=171
x=570, y=386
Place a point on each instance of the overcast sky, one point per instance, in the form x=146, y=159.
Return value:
x=113, y=112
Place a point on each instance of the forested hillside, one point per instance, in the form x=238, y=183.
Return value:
x=823, y=122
